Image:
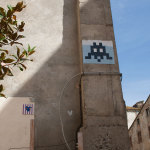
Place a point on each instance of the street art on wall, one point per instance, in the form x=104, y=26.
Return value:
x=97, y=52
x=28, y=109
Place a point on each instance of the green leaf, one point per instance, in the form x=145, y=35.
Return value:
x=19, y=6
x=9, y=13
x=2, y=37
x=2, y=95
x=20, y=36
x=9, y=7
x=14, y=56
x=33, y=48
x=20, y=27
x=8, y=60
x=29, y=49
x=22, y=55
x=18, y=52
x=21, y=68
x=2, y=11
x=6, y=51
x=31, y=52
x=16, y=43
x=14, y=22
x=25, y=52
x=3, y=55
x=1, y=88
x=1, y=16
x=24, y=59
x=1, y=75
x=9, y=73
x=5, y=41
x=14, y=36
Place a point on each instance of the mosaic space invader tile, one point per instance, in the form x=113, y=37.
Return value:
x=28, y=109
x=97, y=52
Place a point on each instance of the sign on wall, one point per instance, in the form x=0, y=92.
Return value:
x=98, y=52
x=28, y=109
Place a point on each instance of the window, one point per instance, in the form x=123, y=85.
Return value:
x=148, y=111
x=139, y=137
x=138, y=121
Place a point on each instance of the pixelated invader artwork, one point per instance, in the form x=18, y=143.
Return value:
x=97, y=52
x=28, y=109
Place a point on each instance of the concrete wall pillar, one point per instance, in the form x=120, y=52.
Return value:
x=104, y=118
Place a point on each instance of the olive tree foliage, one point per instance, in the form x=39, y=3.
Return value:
x=10, y=34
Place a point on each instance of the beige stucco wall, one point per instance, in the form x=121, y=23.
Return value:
x=143, y=127
x=51, y=26
x=14, y=126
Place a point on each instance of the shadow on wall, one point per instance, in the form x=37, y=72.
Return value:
x=45, y=87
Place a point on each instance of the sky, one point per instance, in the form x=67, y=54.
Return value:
x=131, y=19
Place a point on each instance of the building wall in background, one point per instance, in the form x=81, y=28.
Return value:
x=132, y=112
x=139, y=131
x=131, y=115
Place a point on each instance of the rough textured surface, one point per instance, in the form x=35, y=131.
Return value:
x=104, y=117
x=143, y=127
x=51, y=25
x=105, y=138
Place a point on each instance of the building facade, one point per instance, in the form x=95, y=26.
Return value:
x=139, y=132
x=74, y=81
x=132, y=112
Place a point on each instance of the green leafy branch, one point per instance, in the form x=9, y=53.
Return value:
x=9, y=35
